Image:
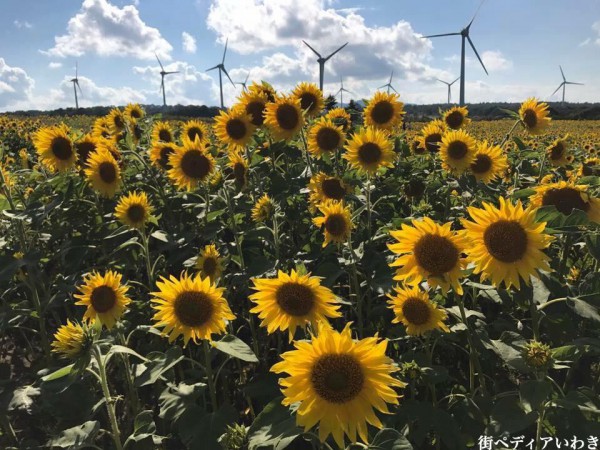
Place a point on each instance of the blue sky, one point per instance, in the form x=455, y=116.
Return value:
x=522, y=44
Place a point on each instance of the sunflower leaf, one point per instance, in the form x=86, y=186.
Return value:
x=390, y=439
x=81, y=436
x=235, y=347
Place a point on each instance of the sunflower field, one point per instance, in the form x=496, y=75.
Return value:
x=290, y=277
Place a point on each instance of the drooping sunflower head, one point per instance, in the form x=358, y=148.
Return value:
x=340, y=117
x=428, y=252
x=565, y=197
x=239, y=167
x=413, y=308
x=336, y=222
x=284, y=117
x=457, y=151
x=134, y=209
x=104, y=296
x=323, y=188
x=84, y=147
x=311, y=98
x=234, y=127
x=72, y=340
x=190, y=306
x=324, y=137
x=431, y=136
x=370, y=149
x=103, y=172
x=384, y=111
x=55, y=148
x=456, y=117
x=338, y=383
x=264, y=209
x=210, y=263
x=116, y=120
x=291, y=301
x=558, y=152
x=253, y=102
x=490, y=162
x=160, y=153
x=534, y=116
x=590, y=168
x=190, y=165
x=162, y=131
x=134, y=112
x=194, y=129
x=505, y=244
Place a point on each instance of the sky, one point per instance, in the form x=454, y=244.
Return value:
x=522, y=43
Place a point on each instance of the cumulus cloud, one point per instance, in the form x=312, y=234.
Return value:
x=54, y=65
x=104, y=29
x=189, y=42
x=92, y=94
x=22, y=24
x=15, y=84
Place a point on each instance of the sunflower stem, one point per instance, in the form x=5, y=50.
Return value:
x=276, y=242
x=149, y=272
x=474, y=364
x=306, y=153
x=565, y=255
x=508, y=135
x=206, y=203
x=209, y=376
x=356, y=284
x=133, y=395
x=539, y=428
x=368, y=195
x=110, y=405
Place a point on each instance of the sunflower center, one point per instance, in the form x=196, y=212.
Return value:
x=84, y=149
x=287, y=117
x=432, y=142
x=239, y=171
x=457, y=149
x=118, y=121
x=107, y=172
x=506, y=240
x=256, y=109
x=369, y=153
x=209, y=266
x=165, y=152
x=295, y=299
x=236, y=129
x=193, y=308
x=336, y=225
x=588, y=169
x=556, y=152
x=436, y=254
x=530, y=118
x=333, y=188
x=328, y=139
x=454, y=120
x=482, y=164
x=195, y=165
x=61, y=148
x=416, y=311
x=382, y=112
x=193, y=133
x=337, y=378
x=416, y=147
x=136, y=113
x=165, y=135
x=136, y=213
x=308, y=101
x=103, y=298
x=565, y=200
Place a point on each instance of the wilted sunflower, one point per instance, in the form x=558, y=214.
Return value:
x=190, y=306
x=291, y=301
x=490, y=162
x=311, y=98
x=210, y=263
x=160, y=153
x=104, y=296
x=534, y=116
x=340, y=116
x=505, y=244
x=324, y=137
x=336, y=222
x=162, y=131
x=84, y=147
x=457, y=151
x=456, y=117
x=55, y=148
x=253, y=102
x=413, y=308
x=284, y=117
x=190, y=165
x=566, y=197
x=134, y=209
x=234, y=127
x=431, y=136
x=558, y=152
x=429, y=252
x=338, y=383
x=383, y=111
x=134, y=112
x=194, y=129
x=263, y=209
x=590, y=167
x=239, y=167
x=369, y=149
x=103, y=172
x=116, y=121
x=323, y=187
x=72, y=340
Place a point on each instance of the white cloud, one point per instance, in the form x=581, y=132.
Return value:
x=22, y=24
x=189, y=42
x=106, y=30
x=92, y=94
x=54, y=65
x=596, y=28
x=493, y=60
x=15, y=84
x=585, y=42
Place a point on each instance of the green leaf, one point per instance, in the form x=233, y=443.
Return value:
x=63, y=372
x=584, y=309
x=540, y=291
x=160, y=235
x=174, y=400
x=533, y=394
x=77, y=437
x=274, y=427
x=156, y=365
x=390, y=439
x=508, y=417
x=22, y=398
x=592, y=242
x=144, y=428
x=122, y=350
x=235, y=347
x=523, y=193
x=200, y=430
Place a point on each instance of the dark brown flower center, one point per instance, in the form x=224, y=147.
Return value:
x=287, y=117
x=416, y=147
x=416, y=311
x=530, y=118
x=382, y=112
x=308, y=102
x=136, y=213
x=337, y=378
x=236, y=129
x=195, y=164
x=506, y=240
x=369, y=153
x=295, y=299
x=589, y=169
x=165, y=152
x=557, y=151
x=84, y=150
x=457, y=149
x=328, y=139
x=165, y=135
x=193, y=308
x=482, y=164
x=256, y=109
x=565, y=200
x=454, y=120
x=193, y=133
x=333, y=188
x=107, y=172
x=239, y=172
x=335, y=225
x=136, y=113
x=118, y=121
x=436, y=254
x=209, y=266
x=432, y=142
x=103, y=299
x=61, y=148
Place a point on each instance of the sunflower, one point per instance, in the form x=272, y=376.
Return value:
x=416, y=146
x=558, y=152
x=505, y=243
x=338, y=383
x=72, y=340
x=239, y=167
x=6, y=176
x=336, y=222
x=284, y=117
x=413, y=308
x=431, y=136
x=263, y=209
x=210, y=263
x=103, y=172
x=134, y=209
x=101, y=128
x=456, y=117
x=134, y=112
x=104, y=296
x=566, y=197
x=490, y=162
x=369, y=149
x=162, y=131
x=383, y=111
x=55, y=148
x=311, y=98
x=324, y=137
x=234, y=127
x=190, y=165
x=292, y=301
x=116, y=120
x=590, y=167
x=194, y=129
x=190, y=306
x=534, y=116
x=457, y=151
x=323, y=187
x=84, y=147
x=253, y=102
x=160, y=153
x=264, y=88
x=430, y=252
x=340, y=117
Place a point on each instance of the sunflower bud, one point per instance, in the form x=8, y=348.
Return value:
x=234, y=438
x=538, y=355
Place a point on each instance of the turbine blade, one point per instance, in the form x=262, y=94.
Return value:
x=246, y=80
x=176, y=71
x=557, y=89
x=391, y=76
x=394, y=89
x=385, y=85
x=562, y=73
x=476, y=12
x=225, y=51
x=78, y=87
x=440, y=35
x=161, y=66
x=315, y=52
x=225, y=70
x=212, y=68
x=454, y=81
x=570, y=82
x=326, y=59
x=442, y=81
x=477, y=54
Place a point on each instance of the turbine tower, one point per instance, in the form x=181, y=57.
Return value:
x=222, y=69
x=162, y=80
x=322, y=62
x=244, y=83
x=76, y=86
x=449, y=87
x=563, y=85
x=388, y=85
x=341, y=91
x=464, y=33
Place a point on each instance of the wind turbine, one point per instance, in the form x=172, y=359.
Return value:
x=341, y=91
x=322, y=62
x=389, y=84
x=162, y=80
x=464, y=33
x=76, y=86
x=449, y=87
x=564, y=84
x=221, y=68
x=245, y=82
